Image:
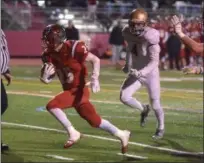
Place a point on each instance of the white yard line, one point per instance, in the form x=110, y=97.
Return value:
x=169, y=150
x=118, y=117
x=51, y=96
x=118, y=85
x=132, y=156
x=97, y=101
x=60, y=157
x=169, y=79
x=121, y=79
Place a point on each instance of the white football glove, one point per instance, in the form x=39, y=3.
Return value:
x=47, y=73
x=135, y=73
x=125, y=69
x=95, y=86
x=177, y=26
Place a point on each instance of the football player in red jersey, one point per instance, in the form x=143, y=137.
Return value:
x=193, y=45
x=67, y=60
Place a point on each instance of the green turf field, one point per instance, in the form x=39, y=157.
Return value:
x=182, y=99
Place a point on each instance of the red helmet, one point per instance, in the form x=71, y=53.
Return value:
x=53, y=35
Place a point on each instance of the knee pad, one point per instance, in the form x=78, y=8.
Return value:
x=88, y=112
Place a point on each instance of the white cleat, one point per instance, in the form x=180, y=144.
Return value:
x=73, y=139
x=124, y=141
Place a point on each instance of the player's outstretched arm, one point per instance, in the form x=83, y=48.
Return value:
x=95, y=61
x=193, y=45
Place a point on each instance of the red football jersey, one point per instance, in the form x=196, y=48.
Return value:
x=69, y=63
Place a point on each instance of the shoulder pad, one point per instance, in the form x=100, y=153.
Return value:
x=125, y=29
x=152, y=36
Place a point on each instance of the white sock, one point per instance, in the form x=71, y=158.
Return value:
x=62, y=118
x=107, y=126
x=159, y=113
x=160, y=118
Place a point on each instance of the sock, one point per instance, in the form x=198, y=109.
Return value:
x=159, y=113
x=107, y=126
x=62, y=118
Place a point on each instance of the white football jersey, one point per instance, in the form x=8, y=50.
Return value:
x=144, y=49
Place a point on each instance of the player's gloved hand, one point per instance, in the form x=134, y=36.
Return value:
x=191, y=70
x=47, y=73
x=95, y=86
x=177, y=26
x=125, y=69
x=135, y=73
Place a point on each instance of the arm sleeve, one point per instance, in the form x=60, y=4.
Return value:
x=193, y=45
x=154, y=51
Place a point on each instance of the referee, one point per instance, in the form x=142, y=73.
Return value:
x=4, y=60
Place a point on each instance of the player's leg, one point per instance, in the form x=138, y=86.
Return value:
x=153, y=86
x=4, y=106
x=87, y=111
x=4, y=99
x=129, y=87
x=55, y=106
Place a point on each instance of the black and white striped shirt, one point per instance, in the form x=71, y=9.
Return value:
x=5, y=56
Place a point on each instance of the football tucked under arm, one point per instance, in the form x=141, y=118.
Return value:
x=47, y=73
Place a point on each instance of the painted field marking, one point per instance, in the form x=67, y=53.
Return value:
x=132, y=156
x=112, y=91
x=43, y=109
x=51, y=96
x=169, y=150
x=167, y=79
x=118, y=85
x=59, y=157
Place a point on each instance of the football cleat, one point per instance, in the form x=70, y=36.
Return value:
x=158, y=134
x=144, y=115
x=124, y=141
x=71, y=142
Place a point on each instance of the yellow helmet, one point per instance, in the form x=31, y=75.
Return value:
x=137, y=21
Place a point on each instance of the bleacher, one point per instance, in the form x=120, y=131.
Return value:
x=24, y=15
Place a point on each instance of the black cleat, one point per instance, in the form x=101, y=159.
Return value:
x=144, y=115
x=158, y=134
x=4, y=147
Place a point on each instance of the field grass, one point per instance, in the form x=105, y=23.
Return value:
x=182, y=101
